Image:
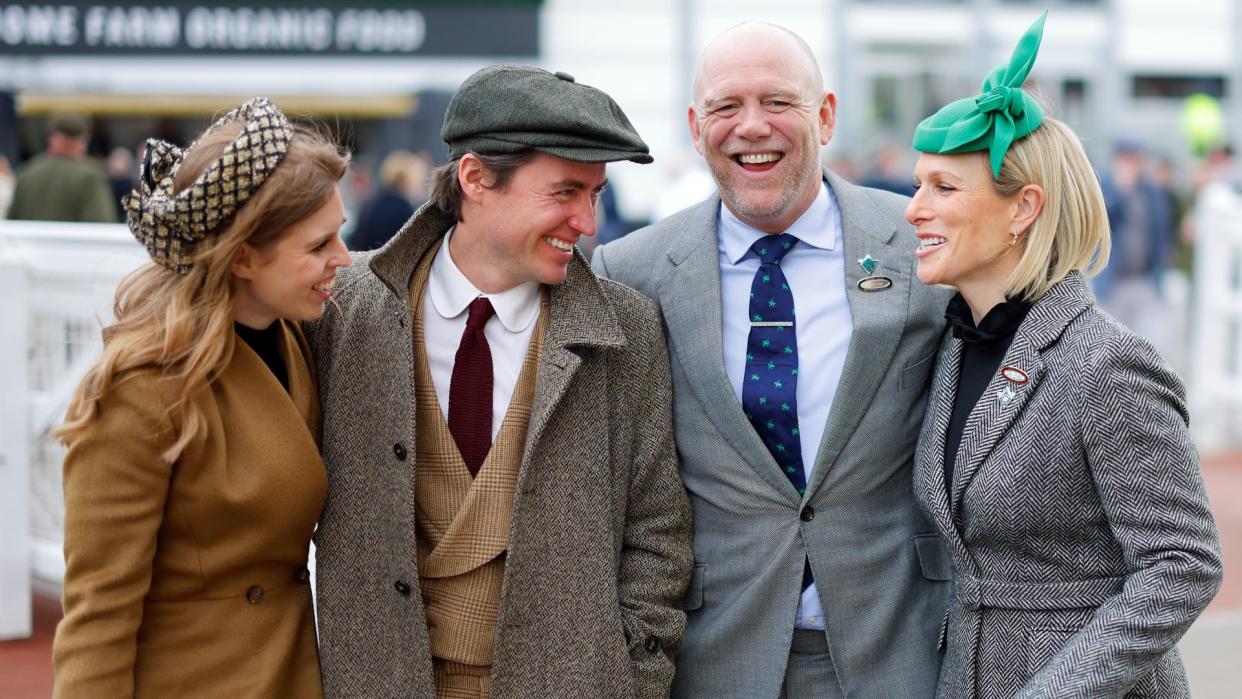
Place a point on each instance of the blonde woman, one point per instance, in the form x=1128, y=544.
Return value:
x=1055, y=459
x=193, y=479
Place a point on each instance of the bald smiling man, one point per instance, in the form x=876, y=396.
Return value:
x=816, y=574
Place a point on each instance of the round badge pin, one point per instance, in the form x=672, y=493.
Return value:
x=1015, y=375
x=874, y=283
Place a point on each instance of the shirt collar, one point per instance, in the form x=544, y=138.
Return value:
x=451, y=293
x=815, y=227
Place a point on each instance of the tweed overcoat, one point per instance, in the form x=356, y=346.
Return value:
x=881, y=571
x=599, y=544
x=189, y=579
x=1082, y=541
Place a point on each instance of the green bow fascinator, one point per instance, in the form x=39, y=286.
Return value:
x=993, y=119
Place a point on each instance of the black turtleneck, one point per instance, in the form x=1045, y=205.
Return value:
x=267, y=344
x=983, y=348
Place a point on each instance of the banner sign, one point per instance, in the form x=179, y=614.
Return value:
x=356, y=29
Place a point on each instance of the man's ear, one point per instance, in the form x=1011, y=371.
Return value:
x=1030, y=204
x=245, y=262
x=693, y=117
x=473, y=177
x=827, y=117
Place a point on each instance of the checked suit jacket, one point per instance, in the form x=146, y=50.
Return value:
x=1082, y=542
x=880, y=569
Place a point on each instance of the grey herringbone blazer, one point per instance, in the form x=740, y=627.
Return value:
x=599, y=542
x=1082, y=542
x=880, y=569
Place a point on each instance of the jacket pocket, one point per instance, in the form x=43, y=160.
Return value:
x=694, y=593
x=933, y=558
x=916, y=376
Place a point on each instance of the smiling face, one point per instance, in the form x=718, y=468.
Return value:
x=526, y=229
x=964, y=226
x=759, y=118
x=292, y=277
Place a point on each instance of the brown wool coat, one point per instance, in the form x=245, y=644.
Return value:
x=189, y=579
x=599, y=543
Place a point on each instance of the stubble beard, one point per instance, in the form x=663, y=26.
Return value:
x=750, y=204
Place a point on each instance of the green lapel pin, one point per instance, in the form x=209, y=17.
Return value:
x=868, y=264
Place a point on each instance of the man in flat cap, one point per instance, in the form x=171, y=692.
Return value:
x=504, y=515
x=802, y=346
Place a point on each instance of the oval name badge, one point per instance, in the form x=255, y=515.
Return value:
x=1014, y=374
x=874, y=283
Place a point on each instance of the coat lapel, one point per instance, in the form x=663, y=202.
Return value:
x=690, y=299
x=878, y=318
x=1003, y=400
x=929, y=460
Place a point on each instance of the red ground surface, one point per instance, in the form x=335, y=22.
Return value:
x=26, y=666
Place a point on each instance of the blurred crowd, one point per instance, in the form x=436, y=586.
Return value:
x=1150, y=198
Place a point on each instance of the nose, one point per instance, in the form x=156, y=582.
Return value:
x=915, y=212
x=582, y=219
x=753, y=123
x=340, y=254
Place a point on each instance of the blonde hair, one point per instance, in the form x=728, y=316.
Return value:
x=182, y=324
x=1071, y=232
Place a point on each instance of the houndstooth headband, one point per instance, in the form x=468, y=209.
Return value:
x=172, y=226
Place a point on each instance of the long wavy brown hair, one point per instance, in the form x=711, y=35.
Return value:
x=181, y=325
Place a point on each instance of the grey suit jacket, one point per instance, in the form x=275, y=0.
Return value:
x=1081, y=538
x=599, y=544
x=880, y=569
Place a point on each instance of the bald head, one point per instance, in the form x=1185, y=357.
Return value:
x=750, y=42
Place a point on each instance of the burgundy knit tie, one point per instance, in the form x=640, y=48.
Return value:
x=470, y=392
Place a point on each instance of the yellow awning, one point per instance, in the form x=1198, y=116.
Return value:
x=133, y=105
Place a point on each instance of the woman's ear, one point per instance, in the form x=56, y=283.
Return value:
x=1030, y=203
x=245, y=262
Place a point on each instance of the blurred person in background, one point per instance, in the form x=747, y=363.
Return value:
x=889, y=171
x=402, y=189
x=61, y=184
x=121, y=170
x=801, y=353
x=193, y=479
x=1140, y=215
x=1055, y=459
x=7, y=183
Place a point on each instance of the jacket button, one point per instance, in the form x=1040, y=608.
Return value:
x=398, y=450
x=402, y=587
x=808, y=513
x=254, y=595
x=652, y=644
x=301, y=575
x=426, y=600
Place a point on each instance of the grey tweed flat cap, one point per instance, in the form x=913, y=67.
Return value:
x=508, y=108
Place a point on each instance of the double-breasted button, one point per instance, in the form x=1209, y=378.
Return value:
x=403, y=587
x=426, y=600
x=652, y=644
x=301, y=575
x=254, y=595
x=808, y=513
x=398, y=450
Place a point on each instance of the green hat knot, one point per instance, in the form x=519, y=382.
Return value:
x=991, y=121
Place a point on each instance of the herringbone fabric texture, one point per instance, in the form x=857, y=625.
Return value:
x=1082, y=541
x=463, y=520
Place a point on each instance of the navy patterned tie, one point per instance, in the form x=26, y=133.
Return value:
x=769, y=386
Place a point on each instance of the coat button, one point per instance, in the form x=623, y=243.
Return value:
x=652, y=644
x=808, y=513
x=398, y=450
x=426, y=600
x=301, y=575
x=402, y=587
x=254, y=595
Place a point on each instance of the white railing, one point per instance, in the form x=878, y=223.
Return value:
x=56, y=284
x=1216, y=348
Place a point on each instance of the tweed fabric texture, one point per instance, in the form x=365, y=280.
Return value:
x=511, y=108
x=752, y=538
x=458, y=681
x=599, y=542
x=172, y=226
x=1082, y=541
x=463, y=520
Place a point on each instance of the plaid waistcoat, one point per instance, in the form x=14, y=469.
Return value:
x=462, y=522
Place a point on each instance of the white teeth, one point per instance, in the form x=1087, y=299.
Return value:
x=758, y=158
x=324, y=286
x=931, y=242
x=558, y=243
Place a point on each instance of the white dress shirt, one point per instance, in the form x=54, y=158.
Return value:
x=508, y=333
x=815, y=270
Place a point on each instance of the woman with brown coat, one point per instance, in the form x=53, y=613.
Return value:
x=193, y=479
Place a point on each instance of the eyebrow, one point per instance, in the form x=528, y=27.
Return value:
x=939, y=173
x=571, y=183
